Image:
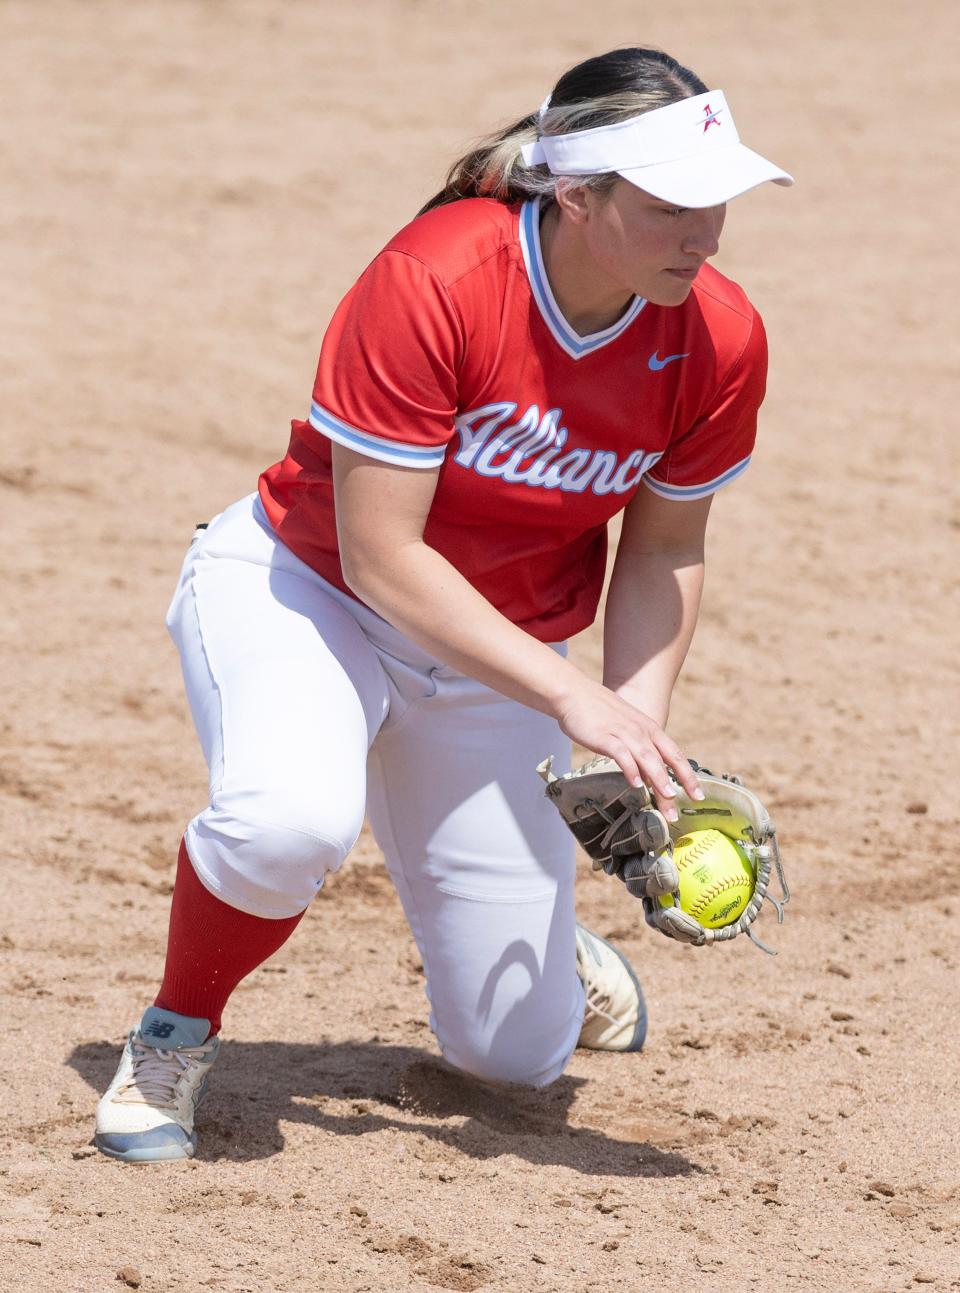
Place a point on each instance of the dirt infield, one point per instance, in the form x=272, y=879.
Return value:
x=189, y=189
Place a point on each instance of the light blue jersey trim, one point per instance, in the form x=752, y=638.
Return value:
x=574, y=345
x=687, y=492
x=374, y=446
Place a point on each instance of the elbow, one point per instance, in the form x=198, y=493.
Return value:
x=369, y=570
x=376, y=569
x=356, y=573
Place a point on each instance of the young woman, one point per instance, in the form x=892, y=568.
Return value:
x=381, y=626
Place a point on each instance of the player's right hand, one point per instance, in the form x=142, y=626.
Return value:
x=604, y=722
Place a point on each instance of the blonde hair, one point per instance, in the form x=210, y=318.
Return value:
x=610, y=87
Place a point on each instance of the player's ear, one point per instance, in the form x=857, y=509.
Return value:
x=573, y=201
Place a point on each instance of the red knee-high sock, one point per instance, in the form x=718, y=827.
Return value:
x=211, y=947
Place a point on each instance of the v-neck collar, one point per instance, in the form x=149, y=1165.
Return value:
x=571, y=342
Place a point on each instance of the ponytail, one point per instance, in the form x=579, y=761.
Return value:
x=496, y=169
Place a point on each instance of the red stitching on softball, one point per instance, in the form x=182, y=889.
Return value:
x=720, y=886
x=732, y=882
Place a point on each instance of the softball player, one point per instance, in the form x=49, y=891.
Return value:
x=380, y=628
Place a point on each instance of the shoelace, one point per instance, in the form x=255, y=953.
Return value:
x=595, y=1008
x=596, y=1000
x=156, y=1075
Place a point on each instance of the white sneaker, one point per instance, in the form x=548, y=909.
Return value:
x=616, y=1014
x=146, y=1114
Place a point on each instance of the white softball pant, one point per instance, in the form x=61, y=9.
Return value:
x=311, y=710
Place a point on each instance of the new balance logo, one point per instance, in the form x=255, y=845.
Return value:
x=158, y=1029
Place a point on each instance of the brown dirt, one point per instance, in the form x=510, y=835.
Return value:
x=189, y=189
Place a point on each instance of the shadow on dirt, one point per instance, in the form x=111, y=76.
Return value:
x=355, y=1088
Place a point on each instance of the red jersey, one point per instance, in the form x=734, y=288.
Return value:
x=450, y=353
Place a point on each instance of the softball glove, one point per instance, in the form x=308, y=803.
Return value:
x=626, y=836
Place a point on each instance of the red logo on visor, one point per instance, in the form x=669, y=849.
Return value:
x=711, y=118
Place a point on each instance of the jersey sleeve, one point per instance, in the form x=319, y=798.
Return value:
x=717, y=448
x=386, y=382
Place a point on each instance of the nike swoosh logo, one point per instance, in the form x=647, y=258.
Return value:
x=655, y=364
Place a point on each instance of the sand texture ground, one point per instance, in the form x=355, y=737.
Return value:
x=189, y=189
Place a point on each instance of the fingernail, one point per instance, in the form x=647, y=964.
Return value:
x=671, y=814
x=637, y=782
x=669, y=791
x=698, y=794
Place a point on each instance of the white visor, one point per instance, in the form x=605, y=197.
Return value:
x=688, y=152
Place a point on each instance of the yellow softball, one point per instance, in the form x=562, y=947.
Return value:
x=716, y=878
